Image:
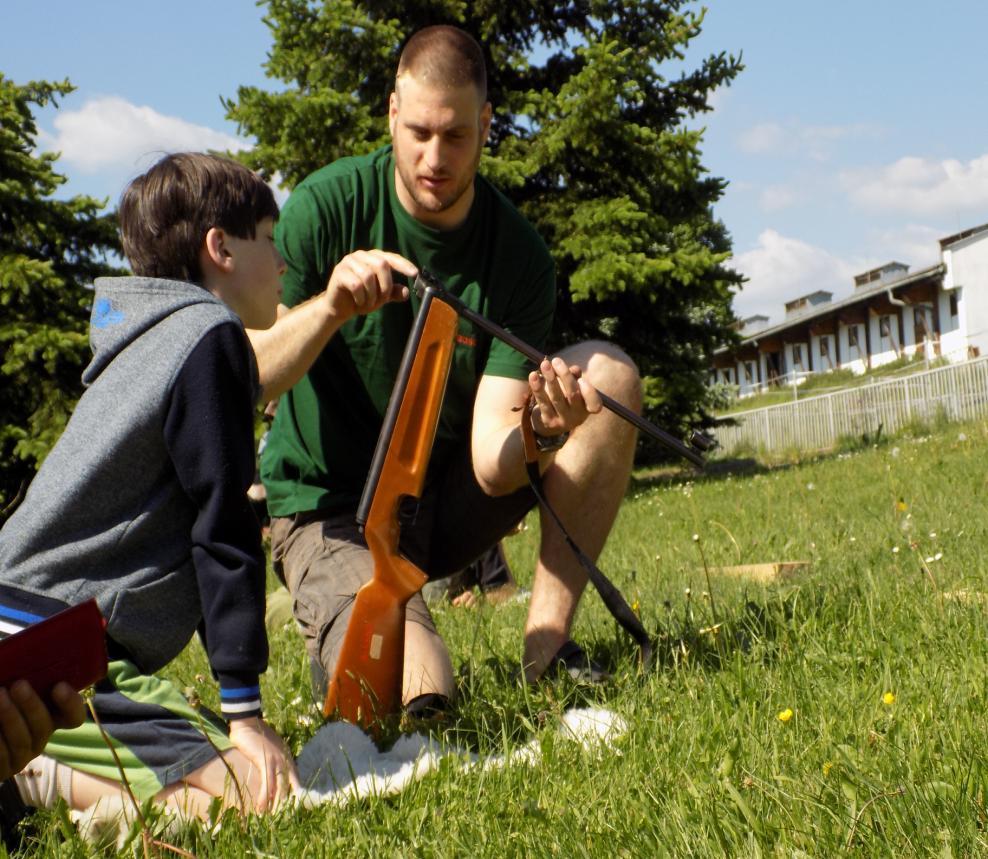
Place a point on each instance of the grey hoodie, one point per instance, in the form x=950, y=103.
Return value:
x=112, y=515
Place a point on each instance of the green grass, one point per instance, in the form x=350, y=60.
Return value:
x=707, y=768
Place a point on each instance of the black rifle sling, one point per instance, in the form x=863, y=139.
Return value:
x=612, y=597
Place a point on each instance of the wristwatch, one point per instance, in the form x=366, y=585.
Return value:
x=550, y=443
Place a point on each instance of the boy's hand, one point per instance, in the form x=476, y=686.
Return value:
x=255, y=739
x=26, y=723
x=362, y=282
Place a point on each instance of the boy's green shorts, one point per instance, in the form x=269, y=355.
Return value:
x=159, y=737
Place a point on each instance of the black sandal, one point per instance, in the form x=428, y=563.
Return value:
x=573, y=659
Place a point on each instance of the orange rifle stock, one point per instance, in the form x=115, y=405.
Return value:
x=366, y=685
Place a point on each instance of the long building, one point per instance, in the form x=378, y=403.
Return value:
x=937, y=312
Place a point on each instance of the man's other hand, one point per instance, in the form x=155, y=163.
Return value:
x=563, y=398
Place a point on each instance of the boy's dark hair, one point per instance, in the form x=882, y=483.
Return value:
x=166, y=212
x=445, y=56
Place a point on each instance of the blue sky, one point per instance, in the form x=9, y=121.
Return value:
x=856, y=135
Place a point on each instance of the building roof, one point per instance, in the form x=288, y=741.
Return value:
x=879, y=273
x=862, y=294
x=956, y=237
x=809, y=295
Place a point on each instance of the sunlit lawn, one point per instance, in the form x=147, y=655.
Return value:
x=842, y=709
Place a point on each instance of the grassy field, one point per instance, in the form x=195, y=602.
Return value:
x=843, y=710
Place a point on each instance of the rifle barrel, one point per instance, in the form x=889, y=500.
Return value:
x=394, y=405
x=427, y=281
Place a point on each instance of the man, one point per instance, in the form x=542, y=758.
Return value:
x=420, y=203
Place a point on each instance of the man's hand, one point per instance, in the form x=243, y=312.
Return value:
x=255, y=739
x=563, y=399
x=362, y=282
x=26, y=723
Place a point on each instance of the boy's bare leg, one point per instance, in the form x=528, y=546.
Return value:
x=191, y=797
x=585, y=485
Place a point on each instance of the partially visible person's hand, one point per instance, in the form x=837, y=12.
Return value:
x=71, y=708
x=563, y=398
x=362, y=282
x=26, y=723
x=258, y=742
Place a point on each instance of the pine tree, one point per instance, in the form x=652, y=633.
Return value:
x=50, y=250
x=589, y=139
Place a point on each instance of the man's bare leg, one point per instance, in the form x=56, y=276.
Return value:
x=585, y=485
x=428, y=668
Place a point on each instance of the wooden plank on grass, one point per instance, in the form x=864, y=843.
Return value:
x=771, y=572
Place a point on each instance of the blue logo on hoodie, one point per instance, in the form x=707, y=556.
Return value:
x=104, y=314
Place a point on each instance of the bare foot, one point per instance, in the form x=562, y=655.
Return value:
x=468, y=599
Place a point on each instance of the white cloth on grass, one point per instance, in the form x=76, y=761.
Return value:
x=341, y=762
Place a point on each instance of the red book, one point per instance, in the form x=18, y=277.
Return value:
x=69, y=646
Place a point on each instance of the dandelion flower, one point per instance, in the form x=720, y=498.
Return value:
x=901, y=506
x=888, y=699
x=827, y=767
x=785, y=715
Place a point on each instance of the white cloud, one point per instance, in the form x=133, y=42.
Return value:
x=111, y=133
x=921, y=186
x=281, y=193
x=914, y=244
x=776, y=197
x=763, y=138
x=780, y=269
x=794, y=138
x=718, y=99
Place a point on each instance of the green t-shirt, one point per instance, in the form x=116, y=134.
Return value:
x=320, y=446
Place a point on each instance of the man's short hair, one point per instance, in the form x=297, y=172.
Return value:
x=444, y=56
x=166, y=212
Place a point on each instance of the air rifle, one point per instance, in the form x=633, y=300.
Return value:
x=366, y=684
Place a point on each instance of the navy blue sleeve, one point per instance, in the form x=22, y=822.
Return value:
x=209, y=435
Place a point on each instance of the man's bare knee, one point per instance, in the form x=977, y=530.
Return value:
x=609, y=369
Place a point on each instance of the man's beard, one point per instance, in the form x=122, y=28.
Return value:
x=431, y=202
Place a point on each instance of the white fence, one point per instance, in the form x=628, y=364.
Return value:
x=954, y=392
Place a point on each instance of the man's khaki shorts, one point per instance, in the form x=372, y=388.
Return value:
x=323, y=558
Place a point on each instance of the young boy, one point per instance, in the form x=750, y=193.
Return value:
x=142, y=504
